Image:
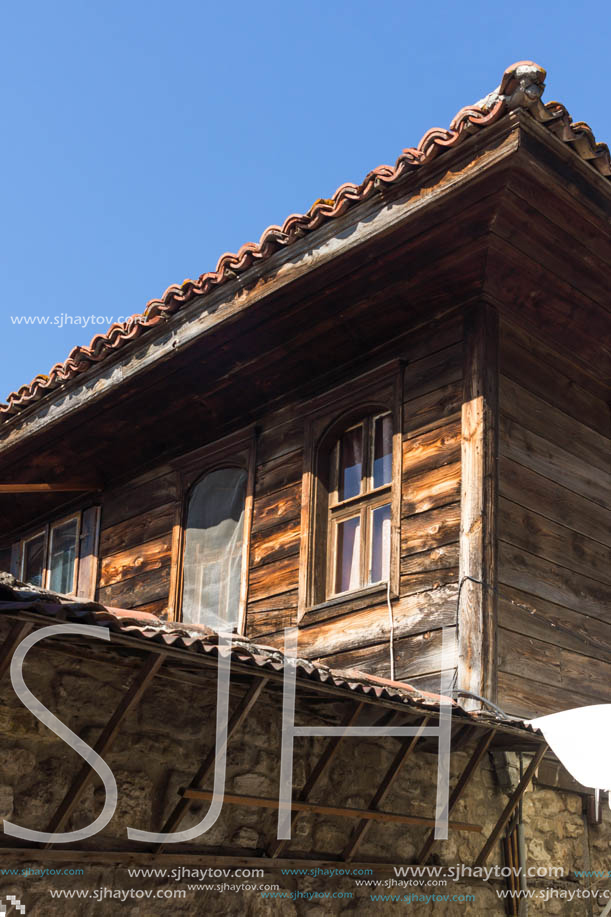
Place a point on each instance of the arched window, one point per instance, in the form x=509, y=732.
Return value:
x=351, y=493
x=359, y=505
x=213, y=549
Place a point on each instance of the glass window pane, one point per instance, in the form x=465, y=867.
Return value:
x=348, y=555
x=382, y=451
x=62, y=555
x=380, y=544
x=34, y=560
x=350, y=463
x=213, y=549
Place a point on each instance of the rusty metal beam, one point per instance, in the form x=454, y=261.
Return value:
x=243, y=709
x=320, y=767
x=260, y=802
x=391, y=775
x=509, y=808
x=480, y=750
x=104, y=743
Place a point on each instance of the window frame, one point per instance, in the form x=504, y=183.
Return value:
x=85, y=565
x=237, y=450
x=44, y=531
x=329, y=416
x=77, y=554
x=361, y=505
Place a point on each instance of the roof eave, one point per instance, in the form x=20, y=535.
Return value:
x=376, y=217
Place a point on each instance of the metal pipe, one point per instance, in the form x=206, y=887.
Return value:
x=484, y=700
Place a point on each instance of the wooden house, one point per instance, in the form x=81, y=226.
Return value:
x=385, y=421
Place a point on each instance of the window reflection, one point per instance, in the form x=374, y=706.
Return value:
x=350, y=463
x=348, y=555
x=62, y=557
x=382, y=450
x=380, y=543
x=34, y=560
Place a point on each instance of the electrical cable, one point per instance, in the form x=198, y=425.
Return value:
x=556, y=627
x=391, y=622
x=484, y=700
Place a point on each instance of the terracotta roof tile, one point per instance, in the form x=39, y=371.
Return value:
x=521, y=87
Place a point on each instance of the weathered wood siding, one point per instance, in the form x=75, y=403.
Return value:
x=137, y=523
x=275, y=535
x=554, y=637
x=430, y=508
x=554, y=628
x=357, y=634
x=136, y=542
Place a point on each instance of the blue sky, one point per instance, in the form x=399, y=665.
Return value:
x=143, y=140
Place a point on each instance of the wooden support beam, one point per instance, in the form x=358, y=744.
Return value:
x=509, y=808
x=241, y=712
x=70, y=487
x=260, y=802
x=480, y=750
x=477, y=610
x=104, y=743
x=320, y=767
x=14, y=638
x=391, y=775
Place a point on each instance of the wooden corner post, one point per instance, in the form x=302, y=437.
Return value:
x=477, y=606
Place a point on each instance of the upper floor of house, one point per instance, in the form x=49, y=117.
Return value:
x=386, y=424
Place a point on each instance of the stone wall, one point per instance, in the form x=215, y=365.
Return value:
x=163, y=742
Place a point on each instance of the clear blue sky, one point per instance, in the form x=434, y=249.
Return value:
x=143, y=140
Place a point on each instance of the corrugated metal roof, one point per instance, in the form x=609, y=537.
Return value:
x=17, y=599
x=521, y=87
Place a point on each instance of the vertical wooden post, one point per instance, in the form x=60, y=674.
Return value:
x=176, y=558
x=477, y=610
x=87, y=571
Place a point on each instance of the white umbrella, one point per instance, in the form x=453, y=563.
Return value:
x=581, y=739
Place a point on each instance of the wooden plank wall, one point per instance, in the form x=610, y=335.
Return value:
x=356, y=635
x=554, y=533
x=274, y=552
x=136, y=542
x=137, y=521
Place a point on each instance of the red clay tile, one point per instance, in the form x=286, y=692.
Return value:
x=521, y=87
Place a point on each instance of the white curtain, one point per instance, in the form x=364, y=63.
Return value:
x=213, y=549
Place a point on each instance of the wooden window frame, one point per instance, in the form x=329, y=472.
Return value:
x=237, y=450
x=44, y=531
x=360, y=505
x=328, y=416
x=85, y=566
x=77, y=554
x=89, y=535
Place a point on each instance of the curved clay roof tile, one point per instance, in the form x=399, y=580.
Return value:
x=521, y=86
